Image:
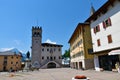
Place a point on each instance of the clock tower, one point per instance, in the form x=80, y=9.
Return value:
x=36, y=46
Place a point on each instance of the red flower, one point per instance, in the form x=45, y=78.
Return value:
x=80, y=77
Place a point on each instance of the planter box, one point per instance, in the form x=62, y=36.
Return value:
x=80, y=79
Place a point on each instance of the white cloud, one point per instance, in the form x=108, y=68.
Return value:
x=5, y=49
x=49, y=41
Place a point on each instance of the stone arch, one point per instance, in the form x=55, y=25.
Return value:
x=51, y=65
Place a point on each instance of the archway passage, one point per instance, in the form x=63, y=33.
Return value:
x=51, y=65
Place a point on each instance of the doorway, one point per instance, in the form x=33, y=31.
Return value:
x=108, y=62
x=51, y=65
x=80, y=65
x=4, y=68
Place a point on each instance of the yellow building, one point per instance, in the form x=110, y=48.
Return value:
x=10, y=61
x=81, y=47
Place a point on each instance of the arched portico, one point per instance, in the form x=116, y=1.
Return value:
x=51, y=65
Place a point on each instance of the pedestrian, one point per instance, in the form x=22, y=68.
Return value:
x=117, y=65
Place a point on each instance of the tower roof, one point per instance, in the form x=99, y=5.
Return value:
x=92, y=11
x=36, y=27
x=50, y=44
x=103, y=9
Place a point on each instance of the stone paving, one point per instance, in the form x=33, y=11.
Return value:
x=59, y=74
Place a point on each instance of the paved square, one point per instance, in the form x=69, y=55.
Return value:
x=59, y=74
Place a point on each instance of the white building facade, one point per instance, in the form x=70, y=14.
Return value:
x=105, y=31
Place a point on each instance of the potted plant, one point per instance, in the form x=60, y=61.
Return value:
x=80, y=77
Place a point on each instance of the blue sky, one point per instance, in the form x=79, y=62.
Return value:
x=58, y=19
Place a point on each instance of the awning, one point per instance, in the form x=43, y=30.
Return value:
x=114, y=52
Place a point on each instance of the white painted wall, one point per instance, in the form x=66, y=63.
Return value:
x=114, y=30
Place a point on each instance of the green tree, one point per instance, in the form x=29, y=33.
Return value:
x=66, y=56
x=28, y=54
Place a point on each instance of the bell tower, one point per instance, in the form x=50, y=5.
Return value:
x=36, y=46
x=92, y=11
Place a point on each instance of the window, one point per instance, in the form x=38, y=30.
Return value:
x=43, y=49
x=98, y=42
x=17, y=57
x=109, y=38
x=47, y=49
x=12, y=57
x=96, y=29
x=4, y=68
x=16, y=62
x=11, y=68
x=36, y=34
x=90, y=51
x=47, y=57
x=5, y=62
x=59, y=57
x=80, y=42
x=107, y=23
x=54, y=57
x=59, y=49
x=5, y=57
x=43, y=57
x=11, y=62
x=51, y=58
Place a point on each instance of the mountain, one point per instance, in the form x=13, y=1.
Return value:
x=16, y=51
x=23, y=57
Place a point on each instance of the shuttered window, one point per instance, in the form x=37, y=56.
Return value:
x=98, y=42
x=107, y=23
x=96, y=29
x=104, y=25
x=109, y=38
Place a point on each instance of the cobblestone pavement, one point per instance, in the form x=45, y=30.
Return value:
x=59, y=74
